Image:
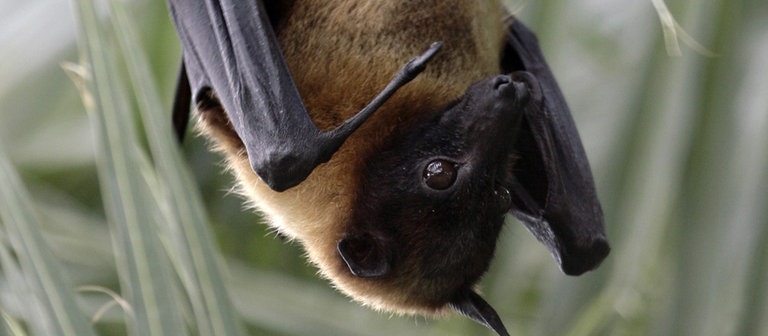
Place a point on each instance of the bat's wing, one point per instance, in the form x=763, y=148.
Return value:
x=230, y=47
x=554, y=193
x=181, y=103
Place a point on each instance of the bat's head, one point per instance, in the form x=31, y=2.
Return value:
x=433, y=203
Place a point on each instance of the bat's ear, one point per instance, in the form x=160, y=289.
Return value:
x=471, y=305
x=366, y=255
x=554, y=193
x=554, y=196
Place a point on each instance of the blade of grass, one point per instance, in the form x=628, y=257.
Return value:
x=14, y=277
x=728, y=169
x=11, y=326
x=56, y=310
x=144, y=268
x=186, y=221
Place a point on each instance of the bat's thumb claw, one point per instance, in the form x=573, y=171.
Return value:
x=417, y=64
x=433, y=49
x=422, y=59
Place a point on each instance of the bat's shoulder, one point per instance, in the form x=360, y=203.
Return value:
x=344, y=52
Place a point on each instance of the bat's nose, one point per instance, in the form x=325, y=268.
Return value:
x=501, y=82
x=505, y=87
x=521, y=86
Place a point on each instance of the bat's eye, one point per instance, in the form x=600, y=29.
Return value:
x=504, y=198
x=440, y=174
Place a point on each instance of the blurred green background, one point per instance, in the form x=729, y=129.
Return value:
x=678, y=145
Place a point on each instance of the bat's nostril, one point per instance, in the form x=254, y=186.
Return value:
x=530, y=82
x=501, y=81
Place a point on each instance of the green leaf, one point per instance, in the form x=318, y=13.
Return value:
x=185, y=222
x=51, y=309
x=11, y=326
x=145, y=270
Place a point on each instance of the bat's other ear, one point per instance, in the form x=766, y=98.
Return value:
x=366, y=255
x=471, y=305
x=553, y=192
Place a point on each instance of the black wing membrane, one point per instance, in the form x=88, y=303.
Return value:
x=554, y=193
x=230, y=47
x=181, y=104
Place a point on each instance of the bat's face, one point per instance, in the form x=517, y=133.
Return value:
x=433, y=203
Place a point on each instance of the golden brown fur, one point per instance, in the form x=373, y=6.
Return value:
x=341, y=54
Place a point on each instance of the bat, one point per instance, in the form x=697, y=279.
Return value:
x=391, y=138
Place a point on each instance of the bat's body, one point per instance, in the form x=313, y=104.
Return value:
x=372, y=218
x=338, y=66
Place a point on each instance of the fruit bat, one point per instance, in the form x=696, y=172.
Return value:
x=391, y=138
